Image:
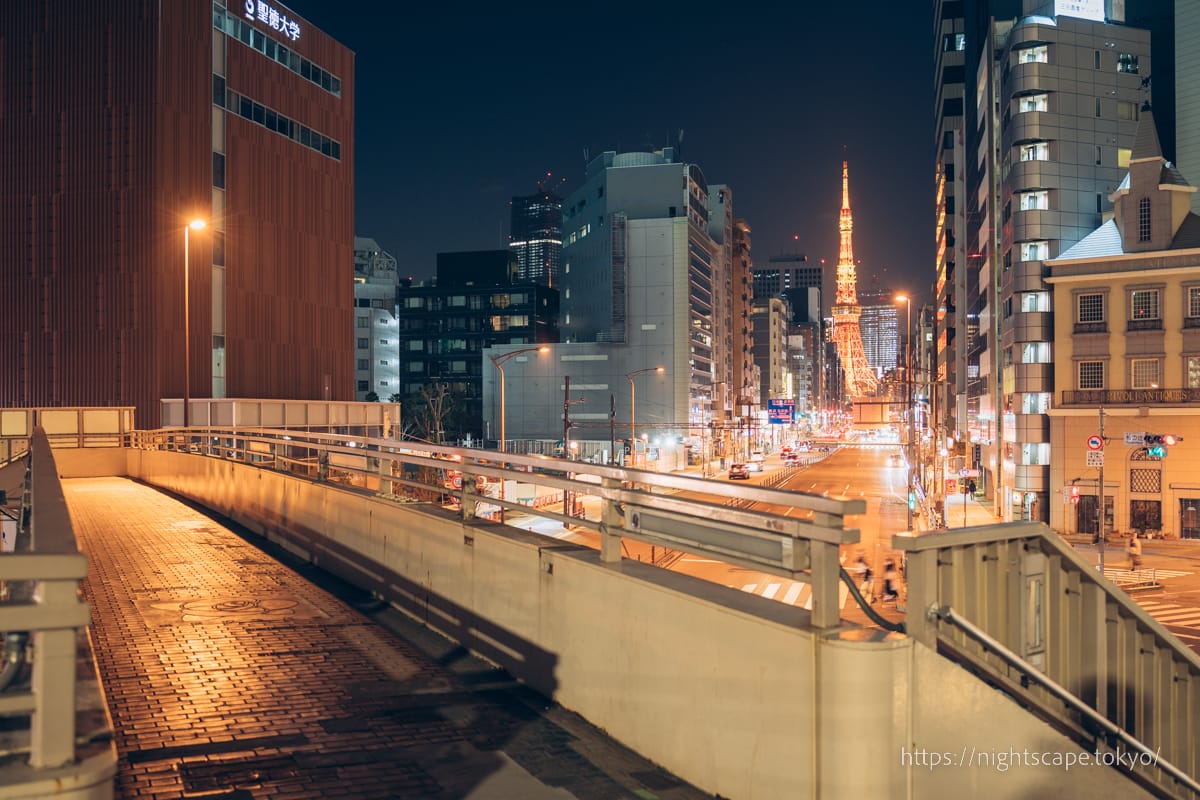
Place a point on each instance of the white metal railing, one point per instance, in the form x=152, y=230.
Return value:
x=1021, y=608
x=633, y=504
x=44, y=603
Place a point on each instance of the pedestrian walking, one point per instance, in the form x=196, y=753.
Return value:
x=865, y=578
x=1133, y=549
x=891, y=581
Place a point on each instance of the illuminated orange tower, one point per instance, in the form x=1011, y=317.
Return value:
x=860, y=378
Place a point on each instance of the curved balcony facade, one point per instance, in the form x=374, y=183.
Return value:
x=1033, y=378
x=1032, y=478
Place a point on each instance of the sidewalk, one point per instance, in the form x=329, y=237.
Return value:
x=964, y=511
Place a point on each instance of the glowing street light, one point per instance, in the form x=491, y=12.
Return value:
x=196, y=224
x=909, y=392
x=633, y=400
x=499, y=362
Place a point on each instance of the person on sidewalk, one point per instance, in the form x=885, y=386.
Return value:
x=1133, y=549
x=864, y=578
x=891, y=582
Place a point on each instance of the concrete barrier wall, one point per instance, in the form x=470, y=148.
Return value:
x=727, y=690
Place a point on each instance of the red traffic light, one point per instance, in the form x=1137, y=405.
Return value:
x=1170, y=438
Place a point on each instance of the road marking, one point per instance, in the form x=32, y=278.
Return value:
x=771, y=590
x=793, y=593
x=1173, y=614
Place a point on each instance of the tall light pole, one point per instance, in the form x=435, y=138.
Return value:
x=196, y=224
x=909, y=385
x=498, y=362
x=633, y=405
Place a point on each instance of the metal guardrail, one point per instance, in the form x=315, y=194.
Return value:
x=44, y=603
x=634, y=504
x=1068, y=628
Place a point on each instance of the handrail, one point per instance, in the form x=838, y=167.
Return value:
x=1031, y=672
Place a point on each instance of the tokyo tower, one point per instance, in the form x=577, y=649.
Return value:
x=860, y=378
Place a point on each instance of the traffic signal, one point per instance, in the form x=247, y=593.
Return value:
x=1073, y=494
x=1157, y=443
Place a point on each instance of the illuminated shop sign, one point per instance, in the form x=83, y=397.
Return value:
x=1083, y=9
x=270, y=16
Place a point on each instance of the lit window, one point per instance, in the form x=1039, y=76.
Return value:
x=1035, y=353
x=416, y=345
x=1035, y=251
x=1090, y=308
x=1127, y=62
x=1123, y=156
x=1143, y=304
x=1035, y=301
x=1035, y=453
x=1031, y=201
x=1193, y=372
x=1033, y=102
x=1035, y=151
x=1145, y=372
x=1029, y=55
x=1035, y=403
x=1091, y=374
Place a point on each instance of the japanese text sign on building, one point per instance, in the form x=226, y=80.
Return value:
x=270, y=16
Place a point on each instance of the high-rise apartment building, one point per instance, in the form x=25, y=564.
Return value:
x=1054, y=104
x=535, y=236
x=123, y=122
x=880, y=327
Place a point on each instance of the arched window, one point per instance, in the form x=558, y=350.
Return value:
x=1144, y=219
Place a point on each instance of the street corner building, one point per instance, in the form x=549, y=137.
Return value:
x=121, y=122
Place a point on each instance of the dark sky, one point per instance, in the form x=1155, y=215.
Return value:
x=458, y=109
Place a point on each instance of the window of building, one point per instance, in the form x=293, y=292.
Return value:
x=1099, y=153
x=1035, y=151
x=954, y=41
x=1099, y=203
x=1090, y=308
x=1123, y=156
x=1127, y=62
x=1192, y=368
x=1033, y=102
x=219, y=170
x=1035, y=353
x=362, y=322
x=1143, y=304
x=1127, y=110
x=1146, y=373
x=383, y=362
x=1035, y=251
x=1029, y=55
x=1144, y=219
x=1031, y=201
x=363, y=344
x=1193, y=300
x=1035, y=453
x=414, y=302
x=456, y=345
x=456, y=301
x=416, y=366
x=1091, y=374
x=458, y=366
x=1035, y=403
x=364, y=386
x=364, y=363
x=1098, y=107
x=1097, y=59
x=415, y=345
x=1035, y=301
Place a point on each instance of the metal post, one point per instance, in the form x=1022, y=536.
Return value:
x=612, y=428
x=566, y=442
x=187, y=370
x=1100, y=505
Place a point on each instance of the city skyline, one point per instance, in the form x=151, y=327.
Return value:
x=770, y=102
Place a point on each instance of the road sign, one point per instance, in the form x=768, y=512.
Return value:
x=1095, y=458
x=968, y=473
x=1095, y=443
x=1135, y=438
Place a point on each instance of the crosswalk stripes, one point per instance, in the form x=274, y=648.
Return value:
x=1172, y=614
x=796, y=593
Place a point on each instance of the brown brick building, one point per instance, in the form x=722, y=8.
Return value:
x=122, y=120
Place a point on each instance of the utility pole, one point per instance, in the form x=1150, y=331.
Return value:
x=566, y=441
x=1100, y=506
x=612, y=428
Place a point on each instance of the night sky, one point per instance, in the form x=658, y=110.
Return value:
x=457, y=111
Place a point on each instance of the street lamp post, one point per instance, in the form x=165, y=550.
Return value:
x=196, y=224
x=908, y=410
x=498, y=362
x=633, y=405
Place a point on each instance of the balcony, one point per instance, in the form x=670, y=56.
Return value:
x=1144, y=325
x=1129, y=397
x=1091, y=327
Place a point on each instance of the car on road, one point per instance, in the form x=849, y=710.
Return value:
x=739, y=472
x=791, y=460
x=754, y=466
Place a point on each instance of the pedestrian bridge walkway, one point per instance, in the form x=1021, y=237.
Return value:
x=1013, y=643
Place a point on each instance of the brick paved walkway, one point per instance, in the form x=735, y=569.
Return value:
x=231, y=676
